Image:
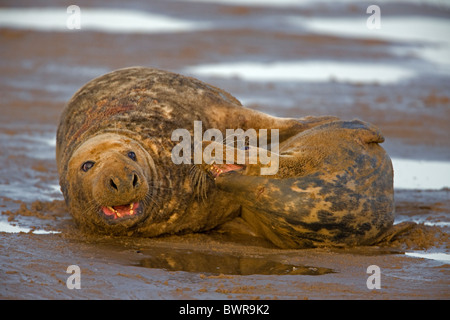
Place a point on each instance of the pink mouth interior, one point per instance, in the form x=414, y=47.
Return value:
x=121, y=211
x=217, y=170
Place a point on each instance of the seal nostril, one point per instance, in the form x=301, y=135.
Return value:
x=135, y=181
x=111, y=182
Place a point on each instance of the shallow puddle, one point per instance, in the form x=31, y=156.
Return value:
x=199, y=262
x=438, y=256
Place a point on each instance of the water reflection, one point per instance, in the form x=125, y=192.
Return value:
x=192, y=261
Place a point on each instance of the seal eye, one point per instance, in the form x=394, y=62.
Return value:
x=132, y=155
x=87, y=165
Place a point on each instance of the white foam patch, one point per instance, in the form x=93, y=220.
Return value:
x=443, y=257
x=442, y=224
x=431, y=33
x=6, y=227
x=423, y=220
x=310, y=71
x=404, y=29
x=96, y=19
x=303, y=3
x=420, y=174
x=269, y=3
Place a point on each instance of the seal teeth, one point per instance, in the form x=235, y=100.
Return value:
x=112, y=209
x=121, y=211
x=215, y=170
x=117, y=214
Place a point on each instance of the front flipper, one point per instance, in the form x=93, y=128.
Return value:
x=267, y=205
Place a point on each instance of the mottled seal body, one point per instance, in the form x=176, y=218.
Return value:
x=117, y=176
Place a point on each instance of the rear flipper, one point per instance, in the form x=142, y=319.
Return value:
x=395, y=231
x=334, y=186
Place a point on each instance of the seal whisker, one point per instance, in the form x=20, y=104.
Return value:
x=148, y=200
x=92, y=205
x=204, y=184
x=199, y=182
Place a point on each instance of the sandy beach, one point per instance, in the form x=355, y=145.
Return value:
x=286, y=58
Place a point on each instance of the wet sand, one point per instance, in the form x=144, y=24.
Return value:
x=39, y=71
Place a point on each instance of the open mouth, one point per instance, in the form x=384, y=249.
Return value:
x=127, y=210
x=217, y=169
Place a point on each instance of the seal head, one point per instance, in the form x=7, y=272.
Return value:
x=115, y=172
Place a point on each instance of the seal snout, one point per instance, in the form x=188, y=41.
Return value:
x=123, y=184
x=123, y=188
x=120, y=189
